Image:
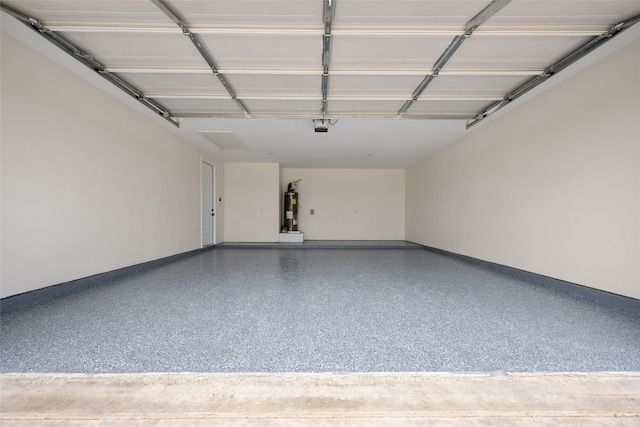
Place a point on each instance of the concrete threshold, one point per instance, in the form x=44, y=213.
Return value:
x=371, y=399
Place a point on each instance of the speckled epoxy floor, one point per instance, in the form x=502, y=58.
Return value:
x=318, y=310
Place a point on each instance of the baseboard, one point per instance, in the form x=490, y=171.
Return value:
x=324, y=244
x=54, y=291
x=596, y=295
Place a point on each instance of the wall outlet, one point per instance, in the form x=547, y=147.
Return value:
x=312, y=212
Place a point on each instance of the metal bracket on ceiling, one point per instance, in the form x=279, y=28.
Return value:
x=479, y=19
x=165, y=7
x=89, y=61
x=328, y=15
x=554, y=69
x=482, y=16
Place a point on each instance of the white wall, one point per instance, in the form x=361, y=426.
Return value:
x=252, y=202
x=349, y=204
x=88, y=184
x=551, y=187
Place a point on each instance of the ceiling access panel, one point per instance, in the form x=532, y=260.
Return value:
x=139, y=50
x=356, y=108
x=265, y=51
x=386, y=52
x=563, y=15
x=176, y=83
x=492, y=86
x=287, y=107
x=417, y=14
x=512, y=53
x=112, y=13
x=225, y=140
x=462, y=108
x=358, y=85
x=203, y=106
x=251, y=13
x=278, y=85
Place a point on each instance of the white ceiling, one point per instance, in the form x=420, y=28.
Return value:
x=270, y=52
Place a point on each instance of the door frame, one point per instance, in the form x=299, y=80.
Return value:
x=204, y=161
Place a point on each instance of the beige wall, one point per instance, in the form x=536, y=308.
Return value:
x=252, y=202
x=349, y=204
x=88, y=184
x=551, y=187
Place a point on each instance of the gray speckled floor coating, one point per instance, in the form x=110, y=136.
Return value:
x=269, y=310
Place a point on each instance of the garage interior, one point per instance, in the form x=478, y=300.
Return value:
x=468, y=202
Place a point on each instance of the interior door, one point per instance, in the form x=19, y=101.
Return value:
x=208, y=204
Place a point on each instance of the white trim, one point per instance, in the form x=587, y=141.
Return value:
x=213, y=202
